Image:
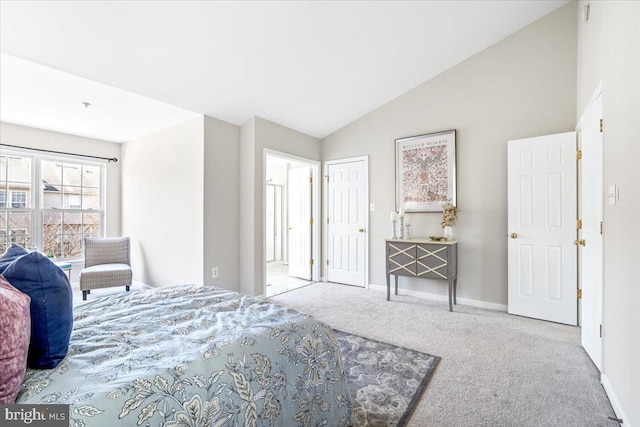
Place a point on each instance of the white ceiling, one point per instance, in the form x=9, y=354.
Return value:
x=42, y=97
x=313, y=66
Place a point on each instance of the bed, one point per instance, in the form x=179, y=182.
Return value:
x=195, y=356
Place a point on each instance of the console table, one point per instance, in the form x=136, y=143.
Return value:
x=423, y=258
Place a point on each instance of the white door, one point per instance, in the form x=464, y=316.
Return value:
x=591, y=196
x=346, y=222
x=300, y=222
x=542, y=270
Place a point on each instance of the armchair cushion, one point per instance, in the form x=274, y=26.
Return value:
x=15, y=331
x=51, y=307
x=105, y=275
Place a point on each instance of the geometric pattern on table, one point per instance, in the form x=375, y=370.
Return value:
x=432, y=262
x=403, y=259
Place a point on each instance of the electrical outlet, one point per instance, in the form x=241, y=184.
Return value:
x=214, y=272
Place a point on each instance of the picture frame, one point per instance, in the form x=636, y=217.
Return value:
x=426, y=171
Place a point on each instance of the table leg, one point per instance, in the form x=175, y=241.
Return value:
x=396, y=284
x=450, y=294
x=455, y=290
x=388, y=287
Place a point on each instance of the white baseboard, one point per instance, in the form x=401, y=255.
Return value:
x=437, y=297
x=617, y=407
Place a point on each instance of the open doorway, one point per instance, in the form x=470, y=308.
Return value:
x=290, y=196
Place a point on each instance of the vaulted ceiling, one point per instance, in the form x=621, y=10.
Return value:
x=313, y=66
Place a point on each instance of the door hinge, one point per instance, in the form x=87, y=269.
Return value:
x=601, y=228
x=327, y=262
x=327, y=220
x=311, y=221
x=311, y=180
x=579, y=224
x=327, y=177
x=600, y=330
x=311, y=261
x=579, y=155
x=601, y=125
x=579, y=293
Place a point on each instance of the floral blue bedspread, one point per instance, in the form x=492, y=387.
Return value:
x=195, y=356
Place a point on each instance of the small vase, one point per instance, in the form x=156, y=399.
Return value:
x=448, y=233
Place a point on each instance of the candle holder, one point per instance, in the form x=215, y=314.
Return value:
x=393, y=229
x=407, y=234
x=401, y=236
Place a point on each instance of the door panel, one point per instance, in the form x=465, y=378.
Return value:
x=346, y=227
x=300, y=222
x=542, y=278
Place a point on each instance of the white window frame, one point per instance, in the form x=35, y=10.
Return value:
x=37, y=195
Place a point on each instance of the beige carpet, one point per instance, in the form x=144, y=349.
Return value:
x=496, y=369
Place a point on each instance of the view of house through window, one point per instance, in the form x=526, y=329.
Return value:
x=65, y=208
x=15, y=211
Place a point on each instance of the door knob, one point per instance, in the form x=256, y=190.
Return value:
x=290, y=228
x=580, y=242
x=514, y=235
x=361, y=230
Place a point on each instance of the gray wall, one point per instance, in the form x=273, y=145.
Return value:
x=256, y=135
x=520, y=87
x=609, y=51
x=162, y=204
x=248, y=237
x=221, y=203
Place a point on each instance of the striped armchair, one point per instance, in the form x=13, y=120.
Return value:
x=106, y=264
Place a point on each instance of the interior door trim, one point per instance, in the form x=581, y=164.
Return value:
x=315, y=209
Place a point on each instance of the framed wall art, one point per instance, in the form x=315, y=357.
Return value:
x=426, y=171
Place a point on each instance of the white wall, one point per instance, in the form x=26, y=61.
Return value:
x=520, y=87
x=47, y=140
x=221, y=203
x=162, y=204
x=256, y=135
x=609, y=51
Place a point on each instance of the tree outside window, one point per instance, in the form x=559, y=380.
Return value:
x=15, y=207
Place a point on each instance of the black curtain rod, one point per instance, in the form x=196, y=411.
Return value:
x=109, y=159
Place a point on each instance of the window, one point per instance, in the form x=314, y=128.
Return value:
x=66, y=208
x=18, y=199
x=15, y=211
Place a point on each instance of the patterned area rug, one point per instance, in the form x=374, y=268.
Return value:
x=385, y=381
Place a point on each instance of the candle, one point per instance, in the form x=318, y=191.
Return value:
x=394, y=217
x=401, y=212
